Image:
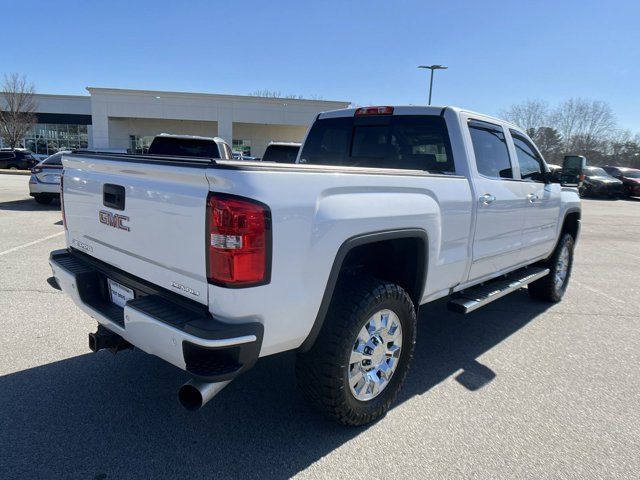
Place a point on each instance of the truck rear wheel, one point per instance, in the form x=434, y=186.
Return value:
x=358, y=364
x=43, y=199
x=551, y=288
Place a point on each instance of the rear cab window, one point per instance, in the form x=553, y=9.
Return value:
x=412, y=142
x=490, y=149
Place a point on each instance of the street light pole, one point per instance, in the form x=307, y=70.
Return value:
x=432, y=68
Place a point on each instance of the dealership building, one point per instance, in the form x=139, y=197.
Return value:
x=127, y=120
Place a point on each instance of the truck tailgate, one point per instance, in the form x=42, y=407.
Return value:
x=147, y=219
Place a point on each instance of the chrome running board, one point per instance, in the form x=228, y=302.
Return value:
x=475, y=297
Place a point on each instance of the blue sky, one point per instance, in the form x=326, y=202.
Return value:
x=366, y=52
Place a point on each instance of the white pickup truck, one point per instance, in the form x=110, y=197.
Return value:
x=210, y=264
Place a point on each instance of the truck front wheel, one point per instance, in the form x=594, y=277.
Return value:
x=359, y=362
x=551, y=287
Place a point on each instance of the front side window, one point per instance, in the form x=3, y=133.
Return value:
x=411, y=142
x=490, y=148
x=531, y=167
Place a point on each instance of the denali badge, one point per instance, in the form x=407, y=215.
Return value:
x=114, y=220
x=82, y=245
x=185, y=289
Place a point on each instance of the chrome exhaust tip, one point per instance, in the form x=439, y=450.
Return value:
x=194, y=394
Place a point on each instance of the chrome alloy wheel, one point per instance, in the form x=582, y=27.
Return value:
x=562, y=269
x=375, y=355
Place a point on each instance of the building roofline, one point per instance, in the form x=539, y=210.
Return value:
x=126, y=91
x=56, y=95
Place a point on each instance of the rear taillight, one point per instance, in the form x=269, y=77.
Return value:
x=64, y=220
x=373, y=111
x=238, y=241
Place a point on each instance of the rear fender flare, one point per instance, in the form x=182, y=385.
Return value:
x=358, y=241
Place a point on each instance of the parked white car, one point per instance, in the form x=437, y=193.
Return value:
x=44, y=184
x=211, y=264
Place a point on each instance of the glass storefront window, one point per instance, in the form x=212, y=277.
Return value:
x=49, y=138
x=138, y=144
x=243, y=146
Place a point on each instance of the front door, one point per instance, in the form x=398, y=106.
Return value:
x=543, y=201
x=497, y=241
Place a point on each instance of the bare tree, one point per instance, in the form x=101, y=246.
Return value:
x=549, y=141
x=623, y=149
x=584, y=124
x=529, y=115
x=17, y=109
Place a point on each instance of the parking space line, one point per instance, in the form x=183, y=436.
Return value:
x=595, y=290
x=25, y=245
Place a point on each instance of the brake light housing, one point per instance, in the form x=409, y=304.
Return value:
x=362, y=111
x=238, y=241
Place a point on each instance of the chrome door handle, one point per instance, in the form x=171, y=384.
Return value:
x=487, y=199
x=532, y=197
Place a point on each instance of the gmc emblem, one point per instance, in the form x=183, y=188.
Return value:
x=114, y=220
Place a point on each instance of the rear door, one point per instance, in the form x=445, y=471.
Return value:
x=4, y=159
x=500, y=201
x=145, y=216
x=543, y=200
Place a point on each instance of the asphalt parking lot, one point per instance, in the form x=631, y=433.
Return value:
x=518, y=389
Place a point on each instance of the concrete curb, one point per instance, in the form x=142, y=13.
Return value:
x=15, y=172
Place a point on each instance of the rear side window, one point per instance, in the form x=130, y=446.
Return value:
x=55, y=159
x=6, y=155
x=530, y=163
x=413, y=142
x=281, y=153
x=490, y=149
x=184, y=147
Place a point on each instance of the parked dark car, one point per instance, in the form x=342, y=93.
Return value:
x=598, y=182
x=630, y=178
x=17, y=159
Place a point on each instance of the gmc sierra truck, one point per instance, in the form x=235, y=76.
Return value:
x=210, y=263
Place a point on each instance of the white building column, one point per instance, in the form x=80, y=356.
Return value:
x=100, y=125
x=225, y=124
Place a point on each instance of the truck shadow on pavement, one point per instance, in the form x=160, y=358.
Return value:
x=99, y=416
x=29, y=205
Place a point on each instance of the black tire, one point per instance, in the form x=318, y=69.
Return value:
x=43, y=199
x=546, y=288
x=322, y=372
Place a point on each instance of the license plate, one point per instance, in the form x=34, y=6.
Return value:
x=119, y=293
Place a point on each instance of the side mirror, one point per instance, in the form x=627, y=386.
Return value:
x=573, y=171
